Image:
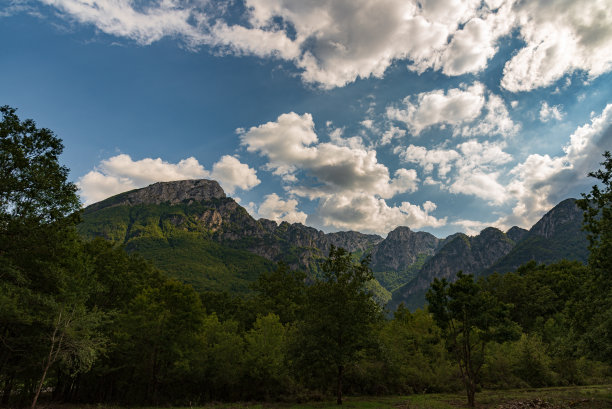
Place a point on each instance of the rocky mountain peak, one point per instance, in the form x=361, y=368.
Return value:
x=399, y=233
x=516, y=233
x=562, y=214
x=487, y=231
x=179, y=191
x=401, y=248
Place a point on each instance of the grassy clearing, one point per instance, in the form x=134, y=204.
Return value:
x=575, y=397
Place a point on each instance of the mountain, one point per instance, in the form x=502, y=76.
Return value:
x=461, y=253
x=516, y=233
x=397, y=258
x=557, y=235
x=191, y=230
x=194, y=232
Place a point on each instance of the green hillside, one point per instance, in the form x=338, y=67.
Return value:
x=173, y=239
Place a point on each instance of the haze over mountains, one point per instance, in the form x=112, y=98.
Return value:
x=194, y=232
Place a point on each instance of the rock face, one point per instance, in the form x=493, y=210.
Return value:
x=559, y=216
x=516, y=234
x=401, y=248
x=557, y=235
x=461, y=253
x=167, y=192
x=354, y=241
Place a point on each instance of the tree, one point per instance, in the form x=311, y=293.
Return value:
x=282, y=292
x=469, y=318
x=33, y=185
x=597, y=207
x=44, y=280
x=593, y=317
x=339, y=316
x=414, y=354
x=160, y=334
x=265, y=356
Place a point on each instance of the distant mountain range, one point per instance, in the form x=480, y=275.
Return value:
x=191, y=230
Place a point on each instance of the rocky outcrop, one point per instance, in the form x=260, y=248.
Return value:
x=461, y=253
x=204, y=207
x=557, y=235
x=562, y=214
x=354, y=241
x=166, y=192
x=401, y=248
x=516, y=234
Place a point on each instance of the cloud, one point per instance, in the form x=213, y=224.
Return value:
x=284, y=142
x=470, y=110
x=561, y=37
x=496, y=121
x=550, y=112
x=392, y=133
x=274, y=208
x=232, y=174
x=452, y=107
x=145, y=25
x=367, y=213
x=96, y=186
x=542, y=181
x=120, y=173
x=471, y=227
x=531, y=187
x=335, y=42
x=291, y=145
x=428, y=158
x=339, y=174
x=475, y=166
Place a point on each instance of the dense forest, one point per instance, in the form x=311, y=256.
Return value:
x=84, y=321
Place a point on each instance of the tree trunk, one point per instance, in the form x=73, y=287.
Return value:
x=471, y=392
x=56, y=346
x=339, y=390
x=8, y=388
x=42, y=380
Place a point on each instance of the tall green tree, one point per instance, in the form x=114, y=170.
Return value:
x=160, y=335
x=593, y=318
x=44, y=320
x=282, y=292
x=469, y=318
x=339, y=317
x=265, y=356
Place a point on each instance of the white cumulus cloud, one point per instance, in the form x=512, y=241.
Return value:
x=232, y=174
x=339, y=174
x=542, y=181
x=550, y=112
x=368, y=213
x=472, y=168
x=121, y=173
x=291, y=145
x=561, y=37
x=279, y=210
x=469, y=110
x=335, y=42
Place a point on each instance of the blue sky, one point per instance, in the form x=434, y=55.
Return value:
x=441, y=115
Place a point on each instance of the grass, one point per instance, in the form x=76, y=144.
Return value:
x=574, y=397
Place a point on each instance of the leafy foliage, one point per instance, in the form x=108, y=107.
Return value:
x=339, y=317
x=469, y=318
x=593, y=319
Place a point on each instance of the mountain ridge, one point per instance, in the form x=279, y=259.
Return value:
x=165, y=218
